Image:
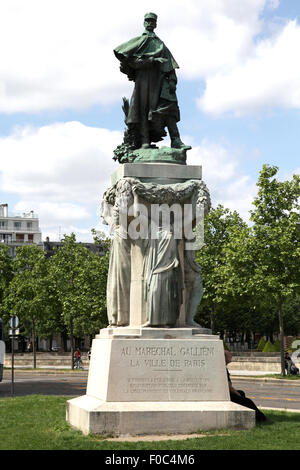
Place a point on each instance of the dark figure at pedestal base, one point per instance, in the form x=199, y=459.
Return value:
x=239, y=397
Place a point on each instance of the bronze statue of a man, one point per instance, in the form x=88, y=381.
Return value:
x=153, y=105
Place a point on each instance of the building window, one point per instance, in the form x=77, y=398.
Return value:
x=3, y=224
x=17, y=224
x=20, y=237
x=29, y=224
x=5, y=237
x=30, y=238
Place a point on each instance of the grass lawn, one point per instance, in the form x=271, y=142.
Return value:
x=37, y=422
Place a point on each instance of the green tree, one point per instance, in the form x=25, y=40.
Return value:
x=93, y=281
x=6, y=272
x=276, y=232
x=240, y=281
x=100, y=238
x=291, y=315
x=79, y=277
x=219, y=224
x=52, y=323
x=26, y=294
x=263, y=260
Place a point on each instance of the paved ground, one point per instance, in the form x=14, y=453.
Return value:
x=270, y=393
x=266, y=393
x=28, y=383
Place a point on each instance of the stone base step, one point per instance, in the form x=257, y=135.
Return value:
x=91, y=415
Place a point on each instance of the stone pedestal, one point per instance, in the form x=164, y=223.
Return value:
x=156, y=381
x=161, y=173
x=165, y=186
x=149, y=378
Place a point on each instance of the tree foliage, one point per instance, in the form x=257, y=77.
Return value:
x=261, y=261
x=63, y=294
x=220, y=223
x=6, y=270
x=276, y=234
x=26, y=294
x=79, y=277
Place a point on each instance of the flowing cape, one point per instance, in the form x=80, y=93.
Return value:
x=144, y=46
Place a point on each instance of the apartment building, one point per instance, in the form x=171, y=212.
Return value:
x=19, y=230
x=50, y=246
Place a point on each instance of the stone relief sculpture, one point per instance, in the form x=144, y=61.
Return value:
x=119, y=272
x=163, y=272
x=162, y=280
x=193, y=287
x=192, y=270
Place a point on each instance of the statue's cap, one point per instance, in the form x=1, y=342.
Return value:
x=150, y=15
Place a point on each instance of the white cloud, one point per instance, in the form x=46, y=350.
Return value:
x=60, y=161
x=59, y=54
x=60, y=171
x=268, y=78
x=227, y=183
x=273, y=4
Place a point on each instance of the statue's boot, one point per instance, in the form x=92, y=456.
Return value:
x=145, y=135
x=176, y=142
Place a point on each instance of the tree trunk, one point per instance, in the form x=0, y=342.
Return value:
x=64, y=341
x=72, y=343
x=281, y=336
x=212, y=318
x=252, y=340
x=33, y=344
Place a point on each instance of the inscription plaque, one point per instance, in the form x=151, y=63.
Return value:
x=164, y=370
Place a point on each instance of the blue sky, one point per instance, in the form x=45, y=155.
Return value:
x=61, y=90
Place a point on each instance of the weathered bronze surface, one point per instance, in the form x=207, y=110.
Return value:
x=153, y=106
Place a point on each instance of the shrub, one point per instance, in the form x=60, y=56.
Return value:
x=269, y=347
x=277, y=345
x=261, y=344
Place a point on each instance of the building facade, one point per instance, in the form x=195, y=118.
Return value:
x=23, y=229
x=19, y=230
x=49, y=247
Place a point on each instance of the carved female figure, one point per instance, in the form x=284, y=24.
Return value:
x=162, y=280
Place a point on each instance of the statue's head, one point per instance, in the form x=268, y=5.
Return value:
x=150, y=21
